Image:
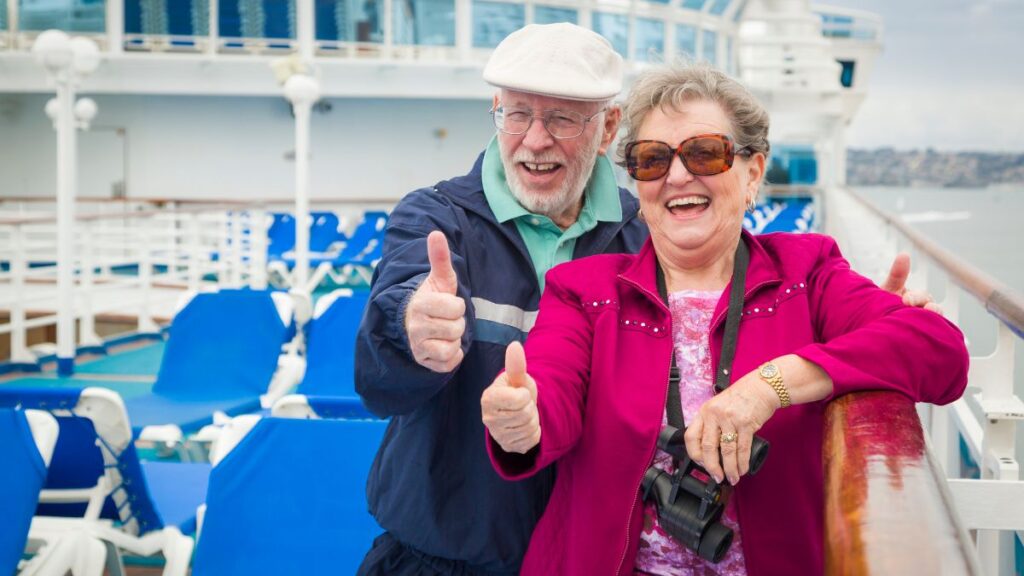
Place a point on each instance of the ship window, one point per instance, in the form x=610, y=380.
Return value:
x=710, y=46
x=846, y=76
x=424, y=22
x=693, y=4
x=67, y=15
x=686, y=40
x=350, y=20
x=650, y=39
x=718, y=8
x=552, y=15
x=614, y=27
x=492, y=21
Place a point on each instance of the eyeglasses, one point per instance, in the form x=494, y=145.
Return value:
x=561, y=124
x=702, y=155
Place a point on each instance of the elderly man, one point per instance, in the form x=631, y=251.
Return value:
x=461, y=277
x=445, y=304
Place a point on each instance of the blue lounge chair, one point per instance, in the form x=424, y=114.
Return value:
x=331, y=342
x=222, y=354
x=27, y=439
x=95, y=477
x=289, y=497
x=359, y=256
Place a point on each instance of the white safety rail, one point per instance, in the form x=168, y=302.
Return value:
x=987, y=417
x=127, y=265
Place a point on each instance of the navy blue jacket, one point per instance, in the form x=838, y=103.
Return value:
x=432, y=485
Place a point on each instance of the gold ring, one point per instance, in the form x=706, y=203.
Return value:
x=728, y=437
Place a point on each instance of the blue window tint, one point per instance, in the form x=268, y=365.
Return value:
x=846, y=76
x=730, y=67
x=614, y=27
x=552, y=15
x=492, y=21
x=650, y=40
x=349, y=20
x=738, y=14
x=719, y=6
x=659, y=1
x=67, y=15
x=710, y=47
x=686, y=40
x=424, y=22
x=245, y=18
x=693, y=4
x=793, y=164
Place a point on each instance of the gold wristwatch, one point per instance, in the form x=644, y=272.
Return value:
x=771, y=374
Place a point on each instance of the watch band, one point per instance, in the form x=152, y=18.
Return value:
x=771, y=374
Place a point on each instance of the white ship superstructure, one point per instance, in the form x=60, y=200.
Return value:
x=213, y=127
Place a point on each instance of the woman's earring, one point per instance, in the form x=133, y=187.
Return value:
x=640, y=214
x=752, y=204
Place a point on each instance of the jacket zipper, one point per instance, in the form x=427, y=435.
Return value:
x=629, y=519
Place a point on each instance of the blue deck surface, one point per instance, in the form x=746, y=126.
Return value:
x=137, y=361
x=127, y=389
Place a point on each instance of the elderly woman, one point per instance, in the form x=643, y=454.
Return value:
x=800, y=329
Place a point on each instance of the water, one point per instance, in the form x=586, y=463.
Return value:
x=982, y=226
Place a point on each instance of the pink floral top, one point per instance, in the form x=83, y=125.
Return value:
x=659, y=553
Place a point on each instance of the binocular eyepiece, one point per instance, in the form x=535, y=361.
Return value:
x=690, y=509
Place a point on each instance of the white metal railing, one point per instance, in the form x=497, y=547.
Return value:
x=987, y=417
x=131, y=265
x=391, y=46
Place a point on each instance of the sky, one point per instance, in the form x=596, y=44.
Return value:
x=950, y=76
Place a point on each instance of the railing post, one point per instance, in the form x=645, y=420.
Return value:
x=172, y=243
x=236, y=249
x=115, y=25
x=258, y=249
x=195, y=252
x=87, y=321
x=146, y=323
x=19, y=268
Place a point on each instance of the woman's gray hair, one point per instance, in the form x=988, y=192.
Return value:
x=669, y=86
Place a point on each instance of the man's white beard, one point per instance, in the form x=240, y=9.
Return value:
x=568, y=196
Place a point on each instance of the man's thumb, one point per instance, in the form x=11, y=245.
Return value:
x=515, y=365
x=898, y=273
x=442, y=274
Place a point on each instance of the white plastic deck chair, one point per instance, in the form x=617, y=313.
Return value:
x=99, y=498
x=27, y=439
x=287, y=493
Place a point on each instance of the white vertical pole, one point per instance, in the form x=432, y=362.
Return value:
x=302, y=91
x=214, y=25
x=302, y=111
x=463, y=28
x=65, y=227
x=305, y=30
x=115, y=26
x=145, y=261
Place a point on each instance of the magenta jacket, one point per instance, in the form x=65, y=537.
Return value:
x=600, y=353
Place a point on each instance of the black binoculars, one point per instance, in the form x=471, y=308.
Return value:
x=690, y=509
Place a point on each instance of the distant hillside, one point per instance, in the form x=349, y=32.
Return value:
x=889, y=167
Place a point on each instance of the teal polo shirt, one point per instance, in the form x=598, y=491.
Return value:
x=548, y=244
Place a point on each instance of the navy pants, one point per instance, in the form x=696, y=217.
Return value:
x=389, y=557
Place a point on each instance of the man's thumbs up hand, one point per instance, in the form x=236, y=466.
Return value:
x=435, y=317
x=509, y=405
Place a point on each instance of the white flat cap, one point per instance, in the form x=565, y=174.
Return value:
x=560, y=60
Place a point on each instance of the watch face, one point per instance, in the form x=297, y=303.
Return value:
x=769, y=371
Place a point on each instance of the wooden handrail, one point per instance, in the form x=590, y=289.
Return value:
x=887, y=508
x=998, y=299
